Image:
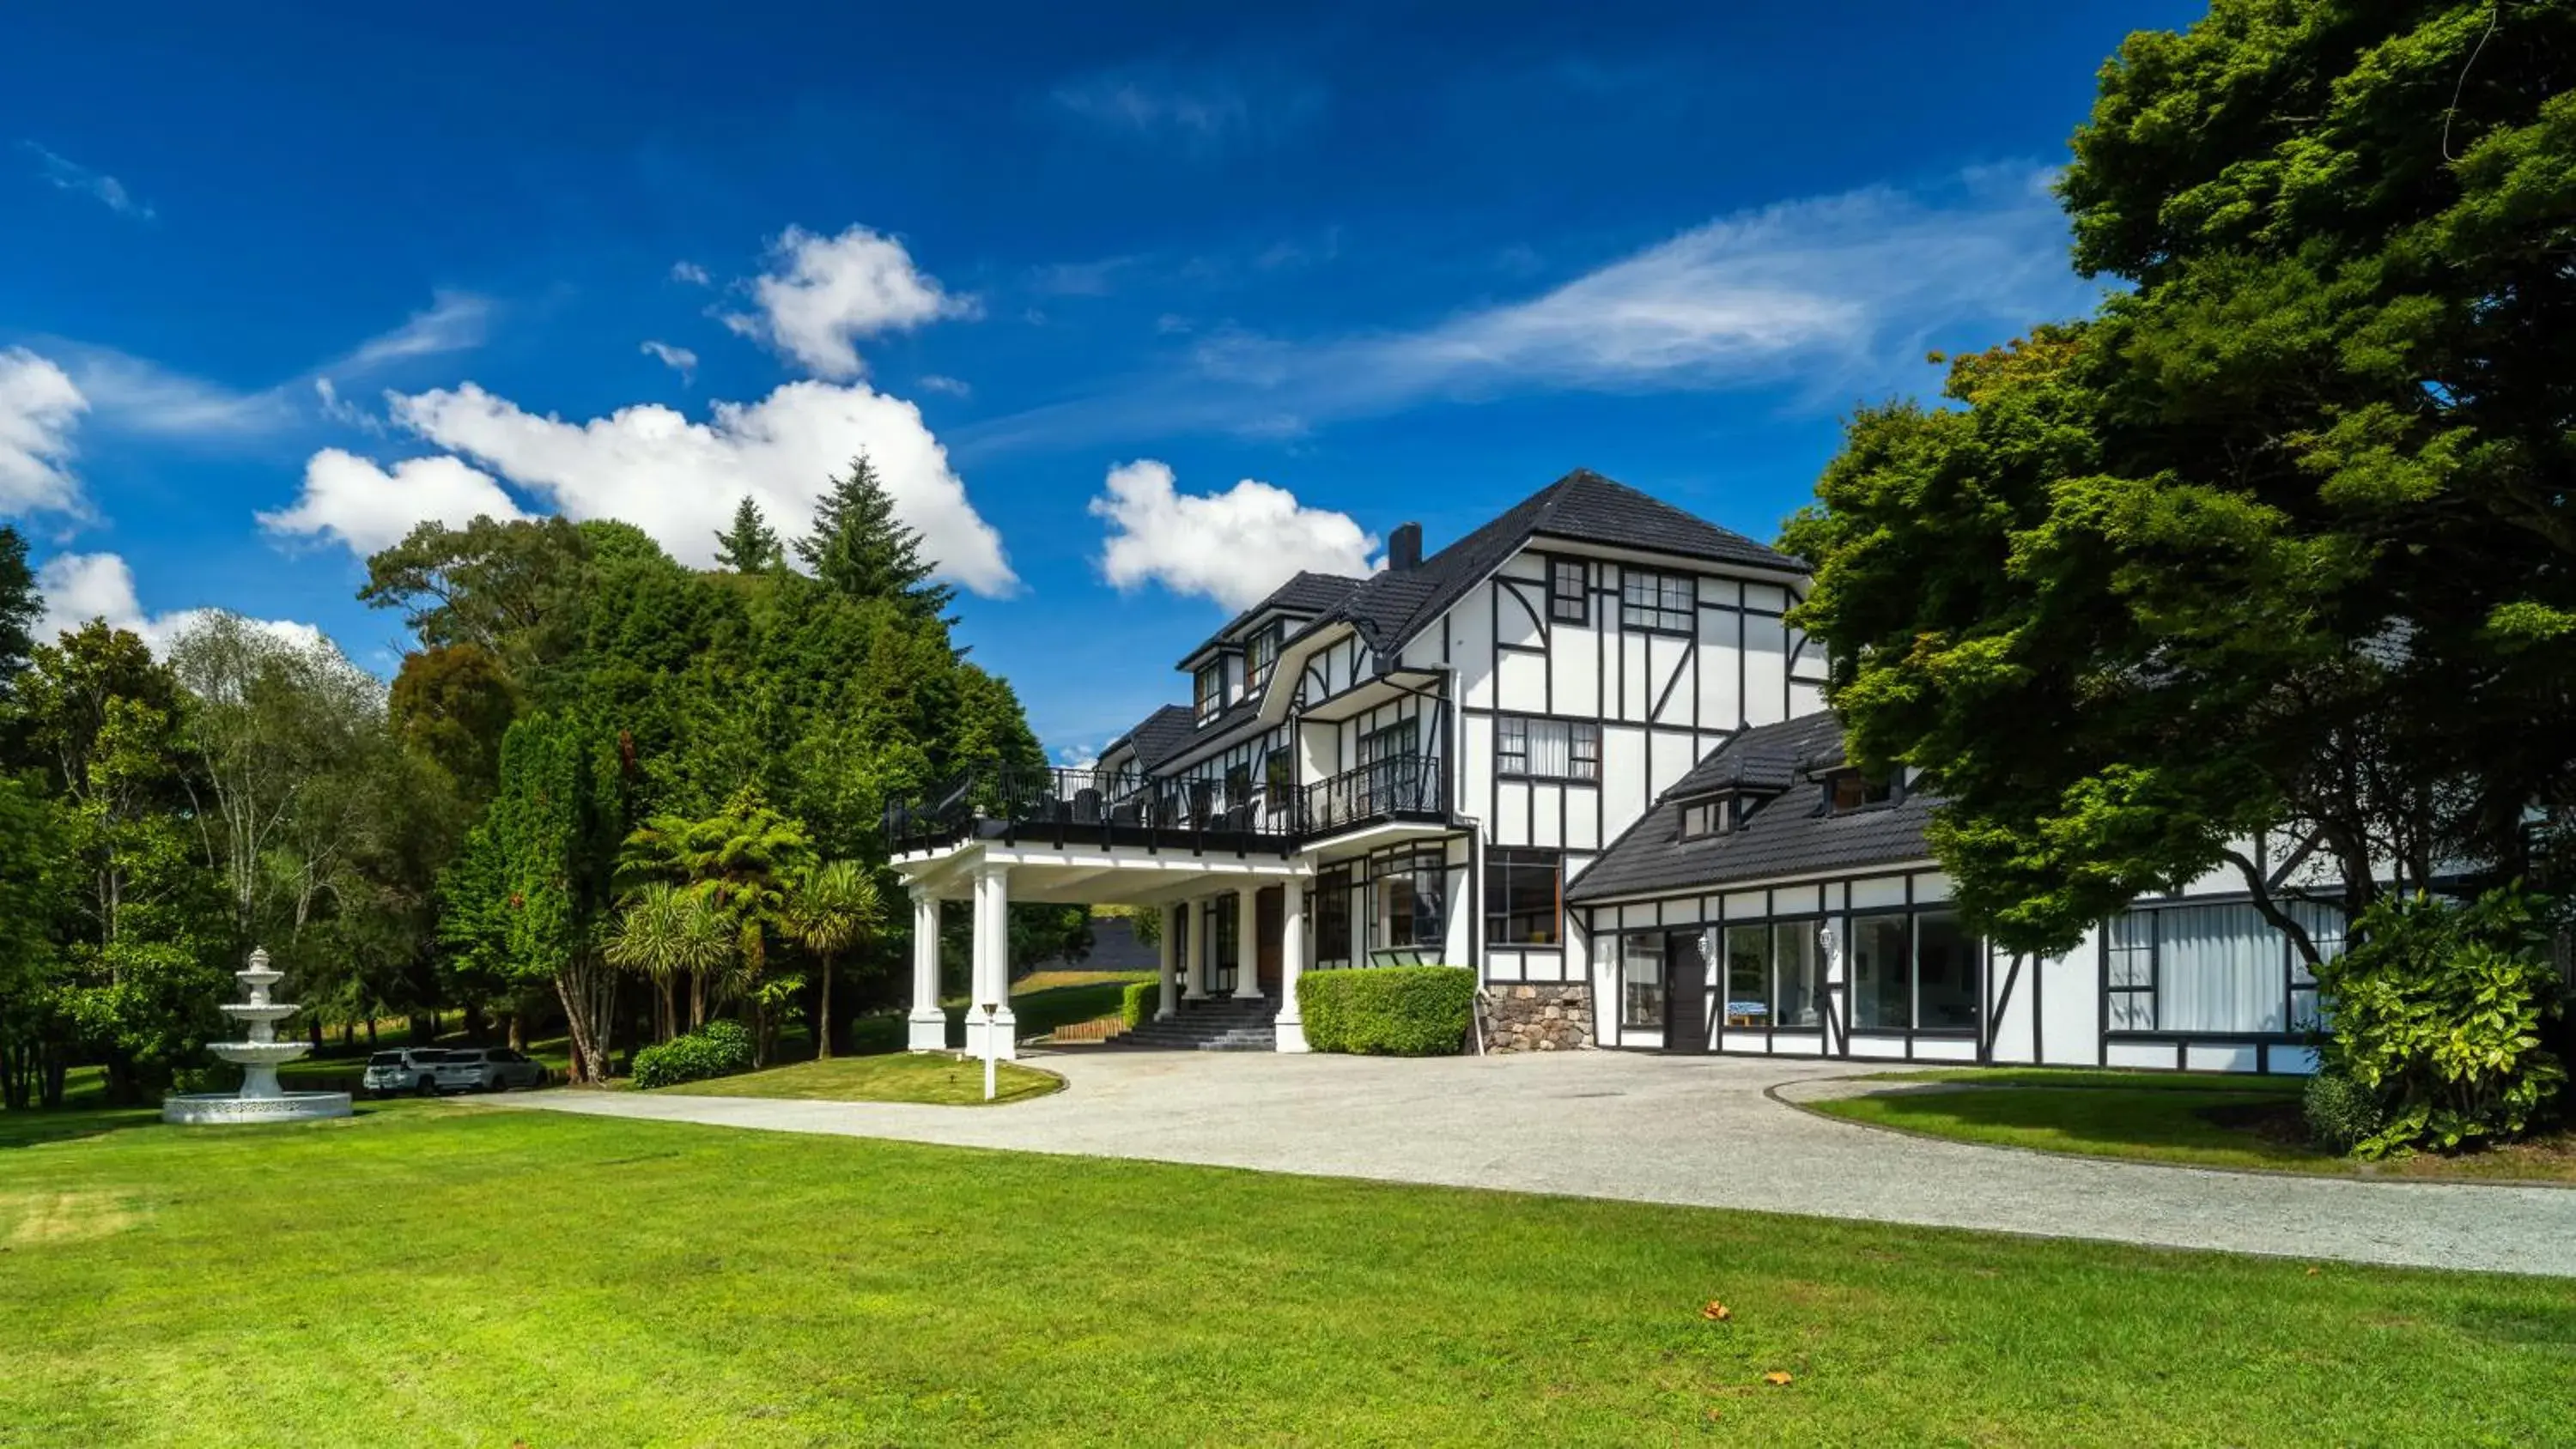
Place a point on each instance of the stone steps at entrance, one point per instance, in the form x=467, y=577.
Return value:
x=1220, y=1024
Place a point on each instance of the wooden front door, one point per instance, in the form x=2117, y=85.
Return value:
x=1269, y=914
x=1685, y=993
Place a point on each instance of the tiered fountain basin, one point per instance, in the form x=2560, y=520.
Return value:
x=260, y=1098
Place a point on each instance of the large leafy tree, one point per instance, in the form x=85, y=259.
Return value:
x=860, y=547
x=35, y=1050
x=511, y=588
x=2278, y=535
x=535, y=889
x=743, y=862
x=670, y=934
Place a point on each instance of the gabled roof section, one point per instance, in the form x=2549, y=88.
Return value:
x=1789, y=835
x=1304, y=596
x=1582, y=507
x=1163, y=734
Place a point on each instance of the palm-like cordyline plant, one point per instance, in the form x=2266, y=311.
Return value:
x=667, y=931
x=739, y=861
x=834, y=907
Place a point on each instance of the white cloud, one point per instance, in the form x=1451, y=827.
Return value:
x=79, y=587
x=453, y=322
x=340, y=410
x=349, y=498
x=138, y=395
x=70, y=175
x=691, y=273
x=934, y=382
x=679, y=359
x=39, y=407
x=824, y=293
x=678, y=480
x=1829, y=297
x=1233, y=547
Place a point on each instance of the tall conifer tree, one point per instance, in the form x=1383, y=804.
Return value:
x=751, y=545
x=859, y=547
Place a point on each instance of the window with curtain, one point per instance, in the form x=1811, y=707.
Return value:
x=1209, y=683
x=1665, y=602
x=1260, y=653
x=1641, y=980
x=1547, y=749
x=2215, y=969
x=1568, y=601
x=1524, y=901
x=1880, y=946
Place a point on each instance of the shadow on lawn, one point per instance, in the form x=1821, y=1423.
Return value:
x=32, y=1129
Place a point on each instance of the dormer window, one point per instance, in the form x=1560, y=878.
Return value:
x=1704, y=818
x=1260, y=656
x=1850, y=790
x=1211, y=690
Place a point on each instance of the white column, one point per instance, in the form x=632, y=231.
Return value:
x=1170, y=1004
x=1194, y=945
x=1247, y=942
x=1292, y=964
x=928, y=1024
x=992, y=964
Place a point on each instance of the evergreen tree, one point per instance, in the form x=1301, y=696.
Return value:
x=19, y=606
x=751, y=545
x=859, y=547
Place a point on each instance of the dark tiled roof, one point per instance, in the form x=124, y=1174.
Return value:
x=1788, y=835
x=1164, y=734
x=1304, y=596
x=1583, y=507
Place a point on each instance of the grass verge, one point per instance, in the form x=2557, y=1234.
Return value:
x=903, y=1077
x=2197, y=1121
x=444, y=1275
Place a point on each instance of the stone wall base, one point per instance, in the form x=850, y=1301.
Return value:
x=1550, y=1018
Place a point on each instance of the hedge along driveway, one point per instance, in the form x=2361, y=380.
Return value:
x=1688, y=1130
x=1388, y=1011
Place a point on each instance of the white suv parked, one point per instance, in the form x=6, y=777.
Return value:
x=410, y=1070
x=487, y=1069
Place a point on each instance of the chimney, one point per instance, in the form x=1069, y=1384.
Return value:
x=1404, y=548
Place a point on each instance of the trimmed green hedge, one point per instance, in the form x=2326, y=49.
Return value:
x=1141, y=1001
x=1388, y=1011
x=717, y=1049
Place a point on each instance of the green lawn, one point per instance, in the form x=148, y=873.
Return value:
x=435, y=1274
x=2204, y=1121
x=901, y=1077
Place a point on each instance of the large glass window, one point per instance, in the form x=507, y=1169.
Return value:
x=1748, y=975
x=1547, y=749
x=1412, y=889
x=1945, y=973
x=2129, y=966
x=1880, y=946
x=1333, y=917
x=1524, y=897
x=1567, y=599
x=1797, y=975
x=1641, y=980
x=1665, y=602
x=1223, y=937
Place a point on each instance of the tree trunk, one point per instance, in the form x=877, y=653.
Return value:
x=823, y=1017
x=518, y=1031
x=371, y=1033
x=316, y=1024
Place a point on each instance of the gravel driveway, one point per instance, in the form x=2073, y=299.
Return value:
x=1691, y=1130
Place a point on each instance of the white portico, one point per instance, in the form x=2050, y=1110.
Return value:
x=1233, y=923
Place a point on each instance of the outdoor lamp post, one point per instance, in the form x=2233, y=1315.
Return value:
x=992, y=1015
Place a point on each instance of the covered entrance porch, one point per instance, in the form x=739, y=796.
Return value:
x=1233, y=928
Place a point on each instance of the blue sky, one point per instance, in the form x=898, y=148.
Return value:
x=275, y=286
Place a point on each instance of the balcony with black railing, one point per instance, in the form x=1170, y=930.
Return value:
x=1064, y=806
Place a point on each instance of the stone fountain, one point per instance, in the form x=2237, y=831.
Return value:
x=260, y=1098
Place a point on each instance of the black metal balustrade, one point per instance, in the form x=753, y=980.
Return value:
x=1061, y=804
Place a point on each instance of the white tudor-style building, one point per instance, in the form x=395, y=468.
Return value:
x=1581, y=750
